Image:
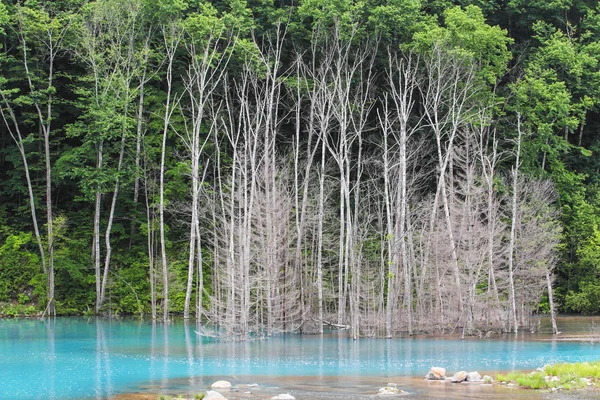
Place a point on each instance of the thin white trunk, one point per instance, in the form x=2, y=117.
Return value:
x=551, y=301
x=513, y=227
x=52, y=44
x=18, y=139
x=171, y=40
x=111, y=216
x=150, y=238
x=97, y=255
x=390, y=237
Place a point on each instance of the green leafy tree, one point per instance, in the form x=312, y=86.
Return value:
x=18, y=269
x=465, y=33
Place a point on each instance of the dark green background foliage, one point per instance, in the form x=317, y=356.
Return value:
x=538, y=59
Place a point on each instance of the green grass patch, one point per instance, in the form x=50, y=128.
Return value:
x=576, y=370
x=537, y=380
x=561, y=376
x=507, y=378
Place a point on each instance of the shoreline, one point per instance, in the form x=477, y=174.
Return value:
x=352, y=388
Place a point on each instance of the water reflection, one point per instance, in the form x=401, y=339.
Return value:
x=50, y=327
x=152, y=366
x=165, y=373
x=103, y=363
x=96, y=358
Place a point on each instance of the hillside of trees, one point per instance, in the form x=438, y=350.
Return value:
x=391, y=167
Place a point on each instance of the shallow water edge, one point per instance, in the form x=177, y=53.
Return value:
x=79, y=358
x=351, y=388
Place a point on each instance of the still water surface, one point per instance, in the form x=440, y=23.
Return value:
x=74, y=358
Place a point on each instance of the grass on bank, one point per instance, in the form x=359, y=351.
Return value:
x=560, y=376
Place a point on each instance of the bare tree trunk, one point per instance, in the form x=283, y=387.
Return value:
x=204, y=74
x=402, y=81
x=150, y=238
x=390, y=237
x=111, y=215
x=18, y=139
x=97, y=255
x=51, y=45
x=301, y=206
x=171, y=38
x=581, y=126
x=513, y=227
x=320, y=234
x=446, y=106
x=551, y=301
x=488, y=166
x=140, y=120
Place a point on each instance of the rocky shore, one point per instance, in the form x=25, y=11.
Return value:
x=359, y=388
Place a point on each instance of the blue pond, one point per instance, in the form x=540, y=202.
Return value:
x=79, y=359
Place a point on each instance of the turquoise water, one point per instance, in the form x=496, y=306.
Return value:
x=80, y=359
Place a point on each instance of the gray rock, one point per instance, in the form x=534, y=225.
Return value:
x=221, y=385
x=436, y=374
x=460, y=376
x=487, y=379
x=473, y=377
x=389, y=390
x=212, y=395
x=285, y=396
x=585, y=381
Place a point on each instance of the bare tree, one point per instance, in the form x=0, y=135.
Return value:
x=513, y=227
x=402, y=81
x=447, y=95
x=319, y=120
x=12, y=125
x=489, y=156
x=110, y=50
x=349, y=88
x=42, y=40
x=205, y=72
x=172, y=34
x=537, y=237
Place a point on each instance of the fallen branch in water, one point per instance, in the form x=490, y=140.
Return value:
x=337, y=326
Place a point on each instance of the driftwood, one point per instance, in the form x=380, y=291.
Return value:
x=337, y=326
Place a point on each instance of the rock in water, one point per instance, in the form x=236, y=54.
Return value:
x=285, y=396
x=460, y=376
x=212, y=395
x=436, y=374
x=389, y=390
x=473, y=377
x=221, y=385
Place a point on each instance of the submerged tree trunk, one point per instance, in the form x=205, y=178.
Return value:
x=551, y=301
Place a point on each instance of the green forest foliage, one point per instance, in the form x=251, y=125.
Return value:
x=536, y=59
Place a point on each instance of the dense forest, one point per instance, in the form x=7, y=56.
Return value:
x=389, y=167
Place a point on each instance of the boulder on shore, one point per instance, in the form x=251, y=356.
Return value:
x=221, y=385
x=473, y=377
x=212, y=395
x=460, y=376
x=436, y=374
x=487, y=379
